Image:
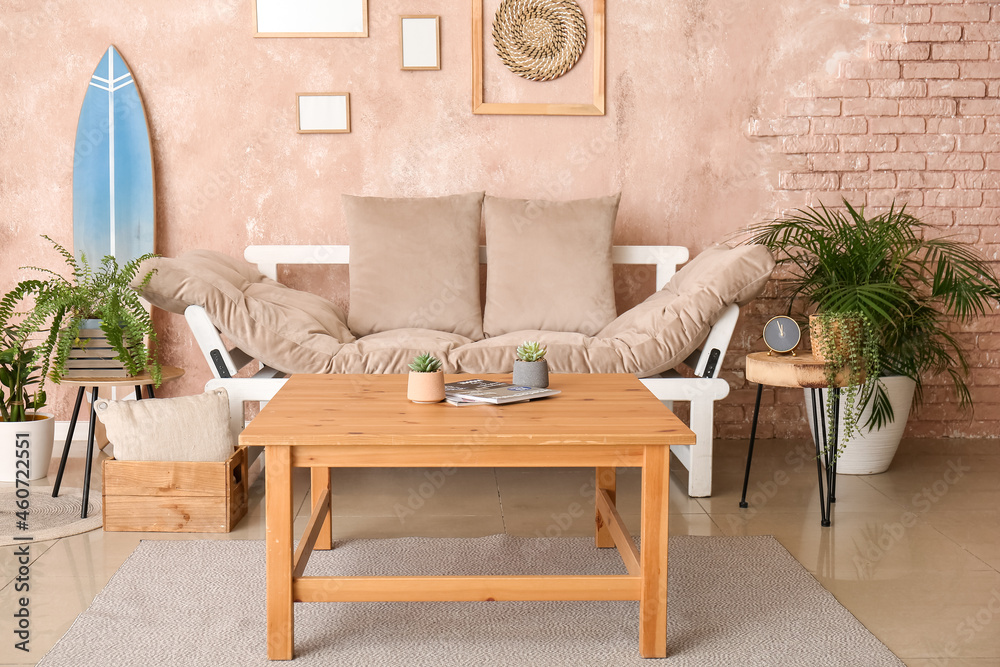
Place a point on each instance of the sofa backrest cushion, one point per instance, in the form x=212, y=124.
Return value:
x=549, y=265
x=415, y=264
x=288, y=329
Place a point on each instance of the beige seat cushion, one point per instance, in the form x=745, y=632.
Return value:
x=291, y=330
x=652, y=337
x=549, y=265
x=189, y=428
x=415, y=264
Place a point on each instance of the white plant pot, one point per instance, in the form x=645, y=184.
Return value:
x=868, y=452
x=40, y=435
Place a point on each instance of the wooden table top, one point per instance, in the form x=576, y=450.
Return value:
x=169, y=373
x=598, y=409
x=784, y=370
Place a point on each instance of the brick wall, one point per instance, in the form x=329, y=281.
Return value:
x=916, y=121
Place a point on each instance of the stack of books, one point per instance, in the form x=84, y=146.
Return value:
x=478, y=392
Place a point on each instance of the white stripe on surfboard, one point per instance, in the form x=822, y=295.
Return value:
x=97, y=85
x=123, y=76
x=99, y=78
x=111, y=142
x=130, y=81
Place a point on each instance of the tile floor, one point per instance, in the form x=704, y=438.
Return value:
x=913, y=553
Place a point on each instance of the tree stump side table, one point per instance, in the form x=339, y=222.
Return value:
x=96, y=384
x=806, y=372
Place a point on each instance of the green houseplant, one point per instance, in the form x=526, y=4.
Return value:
x=910, y=283
x=426, y=381
x=58, y=308
x=530, y=368
x=26, y=436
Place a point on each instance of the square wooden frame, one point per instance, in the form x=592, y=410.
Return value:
x=298, y=112
x=596, y=108
x=363, y=33
x=437, y=30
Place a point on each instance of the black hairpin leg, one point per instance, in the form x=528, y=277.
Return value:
x=753, y=437
x=821, y=453
x=138, y=392
x=69, y=441
x=149, y=388
x=89, y=462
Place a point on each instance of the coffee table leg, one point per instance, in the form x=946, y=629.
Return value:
x=653, y=556
x=606, y=479
x=320, y=482
x=278, y=508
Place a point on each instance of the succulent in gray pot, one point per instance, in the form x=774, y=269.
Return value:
x=426, y=381
x=530, y=368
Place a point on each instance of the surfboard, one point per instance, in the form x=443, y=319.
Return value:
x=113, y=204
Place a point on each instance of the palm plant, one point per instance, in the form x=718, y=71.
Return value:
x=56, y=307
x=890, y=268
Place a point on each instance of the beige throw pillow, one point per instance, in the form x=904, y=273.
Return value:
x=415, y=264
x=189, y=428
x=549, y=265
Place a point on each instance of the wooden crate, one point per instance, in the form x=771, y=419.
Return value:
x=175, y=497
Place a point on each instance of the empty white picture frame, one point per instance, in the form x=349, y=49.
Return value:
x=310, y=18
x=324, y=113
x=420, y=42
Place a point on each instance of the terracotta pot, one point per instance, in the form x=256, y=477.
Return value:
x=38, y=433
x=834, y=332
x=426, y=387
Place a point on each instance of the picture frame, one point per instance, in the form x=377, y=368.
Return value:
x=323, y=113
x=419, y=42
x=595, y=107
x=310, y=18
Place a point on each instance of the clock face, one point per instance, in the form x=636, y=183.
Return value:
x=782, y=334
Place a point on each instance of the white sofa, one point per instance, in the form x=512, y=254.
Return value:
x=675, y=341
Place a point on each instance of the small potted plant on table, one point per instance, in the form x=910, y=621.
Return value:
x=530, y=368
x=426, y=381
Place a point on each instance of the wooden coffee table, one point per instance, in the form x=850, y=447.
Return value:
x=600, y=421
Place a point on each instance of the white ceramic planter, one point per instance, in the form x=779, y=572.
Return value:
x=869, y=452
x=40, y=434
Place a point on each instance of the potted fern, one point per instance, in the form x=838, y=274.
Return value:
x=530, y=368
x=70, y=313
x=26, y=435
x=426, y=381
x=910, y=284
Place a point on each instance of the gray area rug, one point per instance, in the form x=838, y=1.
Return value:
x=732, y=601
x=48, y=518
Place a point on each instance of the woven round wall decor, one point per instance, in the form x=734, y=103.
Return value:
x=539, y=40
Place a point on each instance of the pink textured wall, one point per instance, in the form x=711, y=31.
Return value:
x=684, y=77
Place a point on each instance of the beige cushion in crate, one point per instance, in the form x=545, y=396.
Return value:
x=188, y=428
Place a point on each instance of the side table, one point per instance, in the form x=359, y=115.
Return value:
x=97, y=383
x=805, y=372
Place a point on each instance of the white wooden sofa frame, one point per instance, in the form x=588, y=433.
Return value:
x=701, y=391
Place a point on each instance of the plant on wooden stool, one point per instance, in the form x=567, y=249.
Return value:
x=848, y=343
x=426, y=381
x=58, y=308
x=530, y=368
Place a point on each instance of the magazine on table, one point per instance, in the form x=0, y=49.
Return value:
x=476, y=391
